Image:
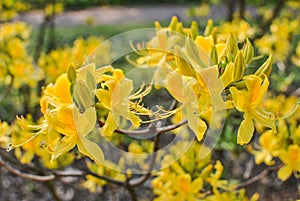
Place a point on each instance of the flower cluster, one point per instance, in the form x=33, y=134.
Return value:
x=190, y=177
x=16, y=67
x=57, y=61
x=204, y=69
x=284, y=144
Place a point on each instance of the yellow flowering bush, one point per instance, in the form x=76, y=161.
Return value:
x=88, y=111
x=57, y=61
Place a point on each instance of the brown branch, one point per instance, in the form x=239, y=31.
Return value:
x=250, y=181
x=26, y=175
x=130, y=188
x=258, y=177
x=149, y=130
x=43, y=178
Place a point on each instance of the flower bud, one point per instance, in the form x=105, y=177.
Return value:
x=71, y=73
x=266, y=68
x=248, y=52
x=208, y=28
x=173, y=23
x=157, y=25
x=194, y=29
x=239, y=66
x=231, y=45
x=214, y=55
x=179, y=28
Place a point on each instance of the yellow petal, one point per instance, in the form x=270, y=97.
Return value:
x=227, y=76
x=84, y=123
x=62, y=146
x=263, y=117
x=175, y=86
x=204, y=42
x=110, y=125
x=246, y=130
x=284, y=173
x=195, y=123
x=62, y=86
x=121, y=92
x=238, y=99
x=221, y=48
x=197, y=185
x=90, y=149
x=262, y=92
x=104, y=97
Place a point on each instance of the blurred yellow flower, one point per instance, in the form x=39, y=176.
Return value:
x=239, y=28
x=291, y=161
x=269, y=148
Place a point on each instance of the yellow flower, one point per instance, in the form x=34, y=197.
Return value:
x=239, y=28
x=56, y=95
x=278, y=42
x=291, y=160
x=272, y=44
x=115, y=96
x=64, y=124
x=57, y=61
x=214, y=178
x=269, y=148
x=248, y=101
x=181, y=89
x=186, y=188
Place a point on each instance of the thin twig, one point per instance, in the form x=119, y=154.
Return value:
x=26, y=175
x=130, y=188
x=149, y=130
x=250, y=181
x=145, y=177
x=79, y=173
x=258, y=177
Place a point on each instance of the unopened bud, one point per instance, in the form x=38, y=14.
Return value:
x=214, y=34
x=214, y=55
x=239, y=66
x=194, y=29
x=248, y=52
x=265, y=68
x=179, y=28
x=157, y=25
x=231, y=45
x=173, y=23
x=208, y=28
x=71, y=73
